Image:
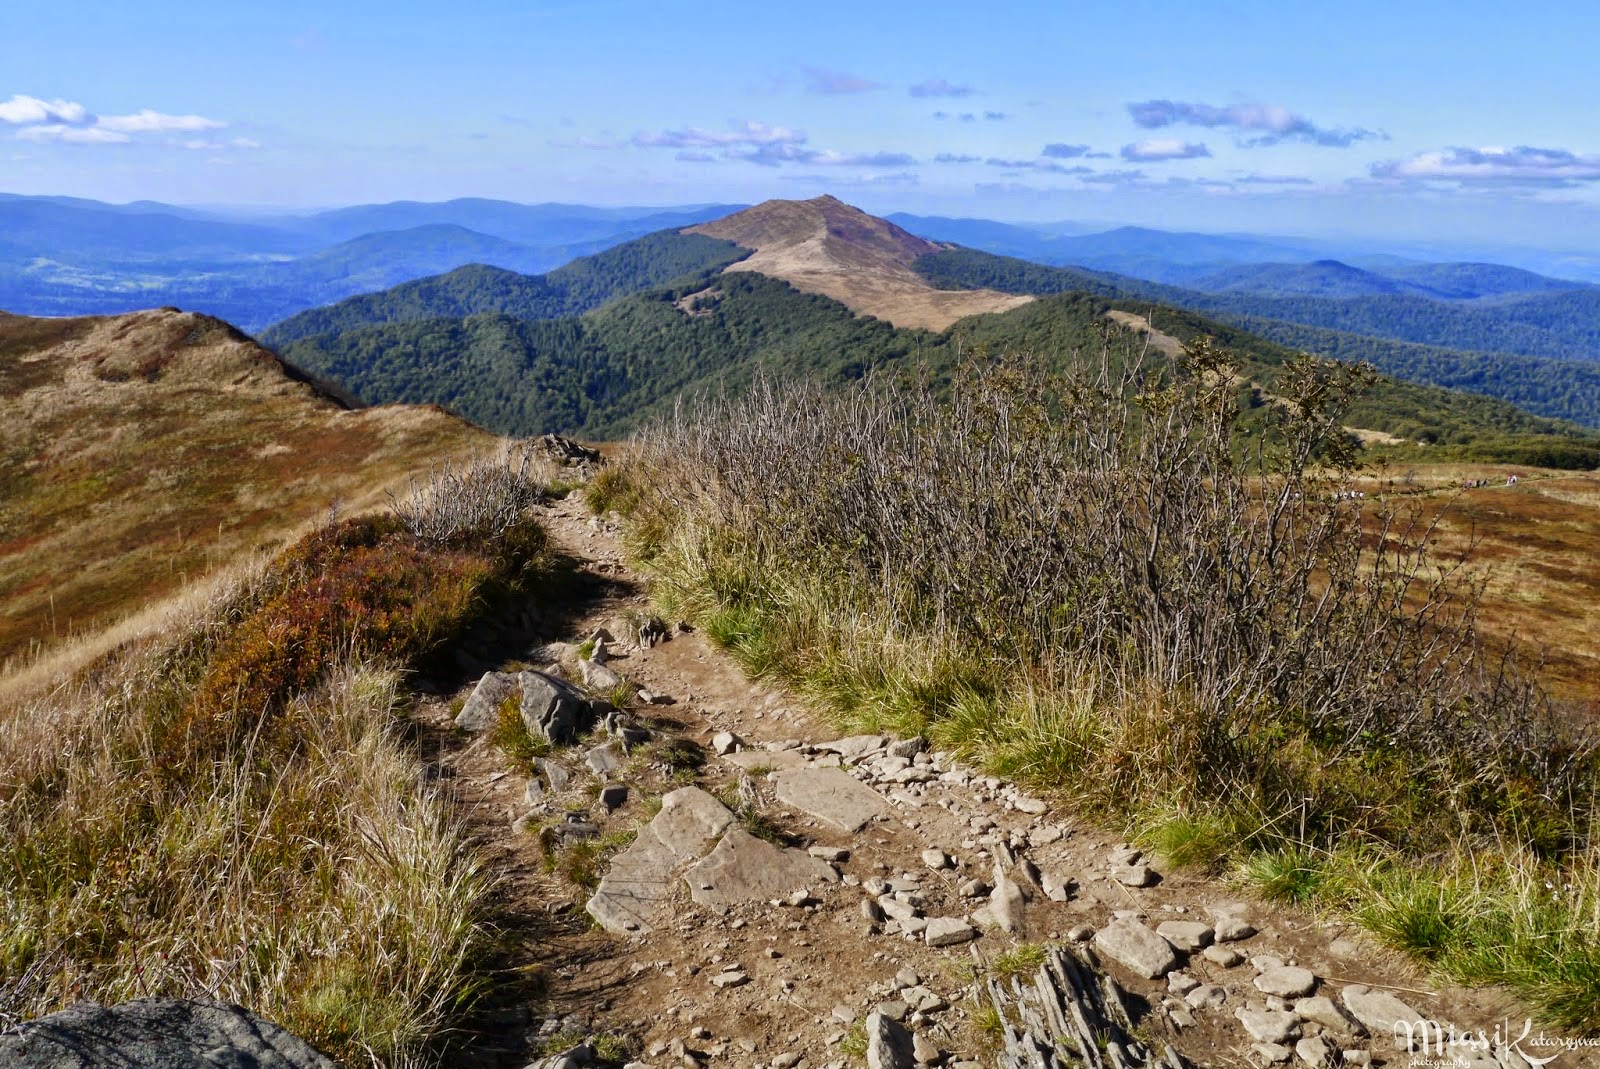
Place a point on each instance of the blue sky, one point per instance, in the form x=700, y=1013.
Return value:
x=1465, y=120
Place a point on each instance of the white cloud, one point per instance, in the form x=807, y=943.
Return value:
x=78, y=135
x=759, y=143
x=941, y=87
x=146, y=121
x=1275, y=123
x=25, y=110
x=746, y=133
x=1164, y=148
x=1522, y=165
x=66, y=121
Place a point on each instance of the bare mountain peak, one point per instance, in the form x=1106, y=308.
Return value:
x=824, y=245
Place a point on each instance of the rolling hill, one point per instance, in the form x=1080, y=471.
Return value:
x=497, y=358
x=140, y=451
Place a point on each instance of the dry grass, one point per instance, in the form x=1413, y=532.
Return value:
x=141, y=452
x=1536, y=543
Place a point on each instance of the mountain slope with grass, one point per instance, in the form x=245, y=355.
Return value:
x=138, y=452
x=570, y=290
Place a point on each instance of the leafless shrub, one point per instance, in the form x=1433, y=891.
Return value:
x=1128, y=518
x=479, y=498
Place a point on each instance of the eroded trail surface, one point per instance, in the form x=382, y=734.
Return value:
x=712, y=877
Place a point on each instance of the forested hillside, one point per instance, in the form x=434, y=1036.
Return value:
x=603, y=373
x=583, y=284
x=1562, y=326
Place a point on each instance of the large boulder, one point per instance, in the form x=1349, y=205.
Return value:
x=156, y=1033
x=552, y=708
x=483, y=706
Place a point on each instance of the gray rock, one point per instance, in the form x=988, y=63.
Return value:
x=1007, y=901
x=949, y=931
x=1288, y=981
x=1231, y=930
x=831, y=795
x=1377, y=1010
x=604, y=760
x=555, y=774
x=767, y=759
x=1272, y=1053
x=599, y=677
x=1322, y=1010
x=1056, y=888
x=897, y=910
x=889, y=1044
x=1316, y=1052
x=1136, y=875
x=1187, y=936
x=613, y=796
x=725, y=742
x=482, y=708
x=829, y=853
x=156, y=1032
x=1031, y=806
x=937, y=859
x=639, y=881
x=1269, y=1026
x=1181, y=983
x=730, y=978
x=909, y=748
x=855, y=747
x=743, y=868
x=551, y=708
x=1136, y=948
x=925, y=1050
x=1206, y=997
x=1226, y=957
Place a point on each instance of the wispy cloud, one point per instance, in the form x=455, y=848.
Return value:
x=954, y=157
x=1273, y=180
x=941, y=87
x=759, y=143
x=154, y=122
x=1045, y=166
x=1273, y=124
x=1522, y=165
x=1154, y=149
x=834, y=83
x=972, y=116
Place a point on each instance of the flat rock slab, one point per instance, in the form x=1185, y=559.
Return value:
x=1187, y=936
x=640, y=879
x=745, y=869
x=1287, y=981
x=1136, y=948
x=889, y=1044
x=831, y=795
x=482, y=708
x=948, y=932
x=1378, y=1011
x=768, y=759
x=1269, y=1026
x=171, y=1033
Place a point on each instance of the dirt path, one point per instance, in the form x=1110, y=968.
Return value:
x=754, y=975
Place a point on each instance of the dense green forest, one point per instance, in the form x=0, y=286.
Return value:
x=586, y=283
x=601, y=374
x=1554, y=387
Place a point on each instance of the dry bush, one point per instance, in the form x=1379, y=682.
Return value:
x=478, y=498
x=1125, y=523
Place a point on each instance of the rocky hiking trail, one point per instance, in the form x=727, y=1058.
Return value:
x=710, y=876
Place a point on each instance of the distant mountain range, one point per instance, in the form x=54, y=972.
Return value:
x=64, y=256
x=1488, y=327
x=786, y=291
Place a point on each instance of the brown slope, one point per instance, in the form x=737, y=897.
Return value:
x=144, y=450
x=826, y=246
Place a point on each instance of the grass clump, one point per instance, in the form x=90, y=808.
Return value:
x=230, y=812
x=1138, y=584
x=509, y=734
x=1025, y=958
